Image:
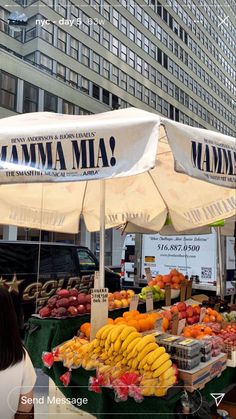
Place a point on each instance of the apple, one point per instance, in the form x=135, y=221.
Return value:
x=63, y=293
x=73, y=301
x=81, y=309
x=72, y=311
x=183, y=315
x=74, y=292
x=88, y=299
x=52, y=301
x=189, y=311
x=174, y=309
x=88, y=308
x=45, y=312
x=82, y=298
x=63, y=302
x=111, y=305
x=190, y=320
x=181, y=306
x=196, y=318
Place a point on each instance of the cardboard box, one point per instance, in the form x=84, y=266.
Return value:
x=205, y=372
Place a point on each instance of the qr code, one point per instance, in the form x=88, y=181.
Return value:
x=206, y=273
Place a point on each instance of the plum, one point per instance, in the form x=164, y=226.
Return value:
x=63, y=302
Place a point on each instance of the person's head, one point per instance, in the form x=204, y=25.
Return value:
x=11, y=347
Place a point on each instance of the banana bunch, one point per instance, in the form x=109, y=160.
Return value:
x=157, y=386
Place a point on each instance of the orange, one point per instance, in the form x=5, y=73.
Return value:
x=151, y=283
x=209, y=311
x=195, y=333
x=165, y=323
x=212, y=318
x=176, y=279
x=119, y=319
x=84, y=327
x=110, y=321
x=134, y=323
x=206, y=319
x=133, y=313
x=219, y=318
x=155, y=316
x=142, y=316
x=87, y=332
x=143, y=325
x=187, y=334
x=208, y=330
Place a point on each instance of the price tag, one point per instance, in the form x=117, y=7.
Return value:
x=96, y=279
x=99, y=310
x=158, y=325
x=181, y=326
x=149, y=301
x=202, y=314
x=134, y=302
x=148, y=274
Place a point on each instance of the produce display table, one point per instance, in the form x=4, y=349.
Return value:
x=100, y=405
x=44, y=334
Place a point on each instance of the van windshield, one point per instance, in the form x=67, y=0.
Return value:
x=129, y=254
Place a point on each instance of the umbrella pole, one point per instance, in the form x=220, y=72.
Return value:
x=220, y=289
x=102, y=234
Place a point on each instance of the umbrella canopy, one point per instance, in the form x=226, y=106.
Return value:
x=42, y=147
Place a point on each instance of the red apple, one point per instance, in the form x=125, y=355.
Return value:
x=63, y=293
x=82, y=298
x=181, y=306
x=88, y=298
x=88, y=308
x=73, y=301
x=72, y=311
x=81, y=309
x=190, y=320
x=183, y=315
x=74, y=292
x=63, y=302
x=189, y=311
x=196, y=318
x=45, y=312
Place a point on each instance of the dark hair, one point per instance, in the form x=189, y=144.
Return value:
x=11, y=347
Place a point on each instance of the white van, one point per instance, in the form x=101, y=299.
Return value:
x=127, y=259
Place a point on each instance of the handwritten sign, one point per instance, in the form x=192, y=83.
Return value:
x=202, y=314
x=181, y=326
x=148, y=274
x=134, y=302
x=149, y=301
x=99, y=310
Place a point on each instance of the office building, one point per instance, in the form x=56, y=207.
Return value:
x=172, y=57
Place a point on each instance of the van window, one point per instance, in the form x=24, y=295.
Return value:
x=63, y=260
x=129, y=253
x=14, y=258
x=86, y=260
x=46, y=260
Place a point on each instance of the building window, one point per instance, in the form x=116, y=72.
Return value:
x=84, y=87
x=131, y=59
x=46, y=32
x=96, y=62
x=115, y=18
x=61, y=40
x=61, y=71
x=74, y=48
x=106, y=68
x=115, y=102
x=139, y=91
x=131, y=87
x=123, y=80
x=106, y=39
x=152, y=74
x=73, y=79
x=46, y=63
x=146, y=95
x=115, y=74
x=50, y=102
x=139, y=39
x=85, y=23
x=96, y=33
x=146, y=69
x=68, y=108
x=95, y=91
x=85, y=55
x=8, y=91
x=61, y=7
x=131, y=32
x=105, y=96
x=115, y=46
x=153, y=100
x=123, y=52
x=123, y=25
x=139, y=64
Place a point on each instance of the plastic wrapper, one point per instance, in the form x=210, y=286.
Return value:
x=48, y=359
x=127, y=386
x=65, y=378
x=96, y=383
x=187, y=363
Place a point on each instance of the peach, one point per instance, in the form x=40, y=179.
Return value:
x=123, y=294
x=117, y=295
x=117, y=303
x=130, y=293
x=124, y=302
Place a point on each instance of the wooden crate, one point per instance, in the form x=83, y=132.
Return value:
x=205, y=372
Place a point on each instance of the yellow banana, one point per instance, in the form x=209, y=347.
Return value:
x=117, y=344
x=169, y=382
x=155, y=354
x=145, y=340
x=102, y=333
x=110, y=352
x=132, y=336
x=162, y=369
x=160, y=391
x=159, y=361
x=167, y=374
x=132, y=344
x=126, y=332
x=118, y=358
x=116, y=332
x=146, y=350
x=134, y=364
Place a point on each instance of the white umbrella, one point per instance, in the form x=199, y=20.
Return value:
x=61, y=149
